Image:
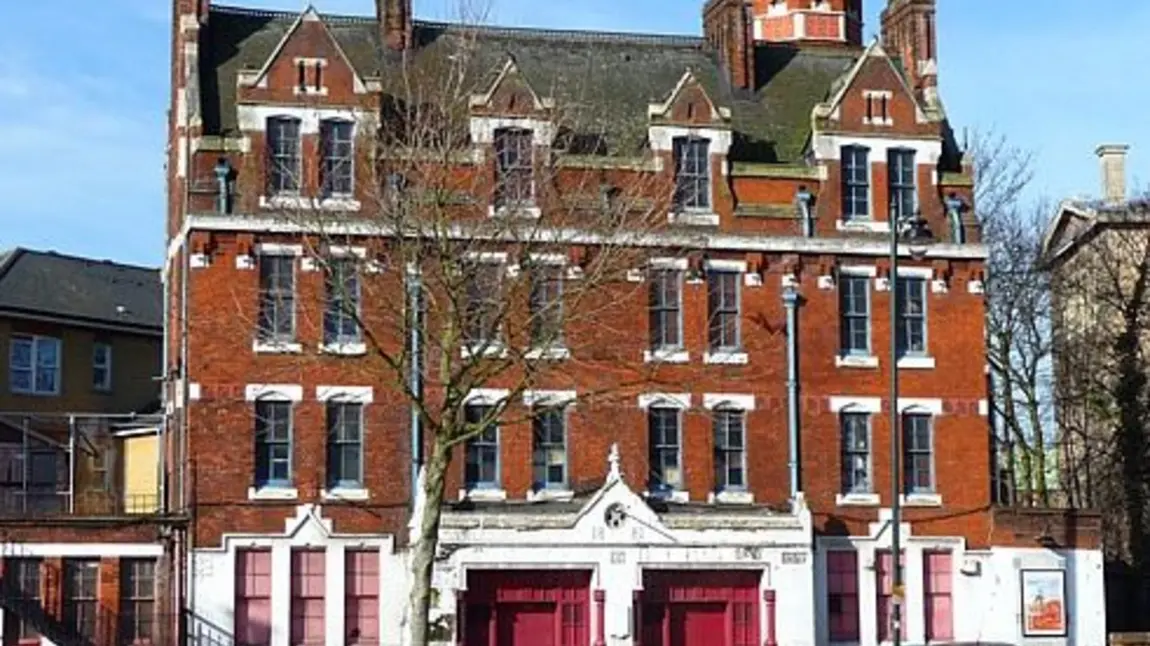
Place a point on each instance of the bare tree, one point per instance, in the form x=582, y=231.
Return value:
x=457, y=273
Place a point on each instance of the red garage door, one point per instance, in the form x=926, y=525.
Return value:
x=686, y=608
x=526, y=608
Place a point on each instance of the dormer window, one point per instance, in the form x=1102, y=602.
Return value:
x=878, y=108
x=692, y=173
x=514, y=168
x=283, y=160
x=337, y=147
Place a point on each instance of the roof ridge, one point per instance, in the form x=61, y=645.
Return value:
x=255, y=12
x=585, y=35
x=69, y=256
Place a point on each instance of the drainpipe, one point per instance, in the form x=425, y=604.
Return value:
x=954, y=211
x=804, y=198
x=790, y=302
x=415, y=369
x=223, y=172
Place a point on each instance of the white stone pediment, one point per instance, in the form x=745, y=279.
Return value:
x=308, y=526
x=616, y=510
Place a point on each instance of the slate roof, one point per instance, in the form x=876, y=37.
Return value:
x=614, y=75
x=85, y=290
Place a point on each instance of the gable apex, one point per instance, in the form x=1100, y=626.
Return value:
x=688, y=79
x=874, y=50
x=510, y=69
x=308, y=15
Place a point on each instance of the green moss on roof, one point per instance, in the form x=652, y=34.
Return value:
x=603, y=81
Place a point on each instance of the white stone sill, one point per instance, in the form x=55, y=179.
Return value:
x=488, y=350
x=700, y=218
x=483, y=495
x=857, y=500
x=862, y=226
x=545, y=495
x=731, y=498
x=921, y=500
x=557, y=353
x=679, y=495
x=336, y=203
x=344, y=349
x=518, y=211
x=722, y=358
x=345, y=493
x=272, y=347
x=856, y=361
x=272, y=493
x=916, y=363
x=666, y=356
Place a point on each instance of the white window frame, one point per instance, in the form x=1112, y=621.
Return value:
x=34, y=366
x=852, y=493
x=729, y=409
x=104, y=385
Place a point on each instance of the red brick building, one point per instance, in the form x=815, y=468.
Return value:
x=788, y=142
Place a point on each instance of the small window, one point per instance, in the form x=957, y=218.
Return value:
x=80, y=579
x=856, y=459
x=730, y=450
x=137, y=601
x=361, y=602
x=22, y=579
x=663, y=449
x=938, y=604
x=277, y=299
x=34, y=365
x=843, y=596
x=344, y=445
x=283, y=155
x=102, y=367
x=666, y=305
x=253, y=598
x=546, y=306
x=482, y=464
x=918, y=453
x=723, y=303
x=856, y=183
x=514, y=167
x=308, y=597
x=341, y=314
x=911, y=316
x=338, y=148
x=273, y=444
x=854, y=312
x=549, y=448
x=903, y=189
x=692, y=173
x=484, y=303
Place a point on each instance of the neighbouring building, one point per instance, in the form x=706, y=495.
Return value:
x=679, y=517
x=1098, y=250
x=82, y=521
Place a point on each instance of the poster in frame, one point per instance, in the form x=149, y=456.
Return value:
x=1043, y=603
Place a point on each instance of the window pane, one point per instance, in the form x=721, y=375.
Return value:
x=692, y=173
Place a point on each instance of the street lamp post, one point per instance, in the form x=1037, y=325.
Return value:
x=912, y=230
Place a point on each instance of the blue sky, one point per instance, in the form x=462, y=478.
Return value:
x=84, y=90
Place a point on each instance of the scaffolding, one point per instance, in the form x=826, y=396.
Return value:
x=89, y=465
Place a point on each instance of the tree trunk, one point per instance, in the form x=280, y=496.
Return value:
x=427, y=543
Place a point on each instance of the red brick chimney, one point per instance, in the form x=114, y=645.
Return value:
x=395, y=23
x=908, y=33
x=728, y=30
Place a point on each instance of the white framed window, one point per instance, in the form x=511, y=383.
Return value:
x=901, y=182
x=918, y=453
x=856, y=183
x=664, y=426
x=856, y=454
x=911, y=316
x=692, y=173
x=854, y=315
x=546, y=304
x=276, y=299
x=730, y=448
x=723, y=301
x=102, y=367
x=342, y=309
x=283, y=156
x=549, y=447
x=337, y=145
x=34, y=365
x=666, y=309
x=481, y=466
x=514, y=167
x=482, y=320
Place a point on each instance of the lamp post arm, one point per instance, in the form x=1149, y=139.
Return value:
x=895, y=437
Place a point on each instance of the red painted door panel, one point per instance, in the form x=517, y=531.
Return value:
x=694, y=624
x=526, y=624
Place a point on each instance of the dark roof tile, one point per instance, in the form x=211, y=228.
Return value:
x=86, y=290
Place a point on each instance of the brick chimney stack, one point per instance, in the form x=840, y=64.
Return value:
x=1112, y=159
x=908, y=32
x=395, y=18
x=729, y=31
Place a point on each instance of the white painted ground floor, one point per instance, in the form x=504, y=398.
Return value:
x=610, y=571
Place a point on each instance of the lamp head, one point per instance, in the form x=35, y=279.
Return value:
x=916, y=235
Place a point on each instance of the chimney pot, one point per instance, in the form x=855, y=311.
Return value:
x=1112, y=159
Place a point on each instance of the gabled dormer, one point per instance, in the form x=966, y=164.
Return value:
x=692, y=134
x=308, y=64
x=514, y=123
x=874, y=97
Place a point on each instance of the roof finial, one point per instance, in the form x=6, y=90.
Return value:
x=613, y=471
